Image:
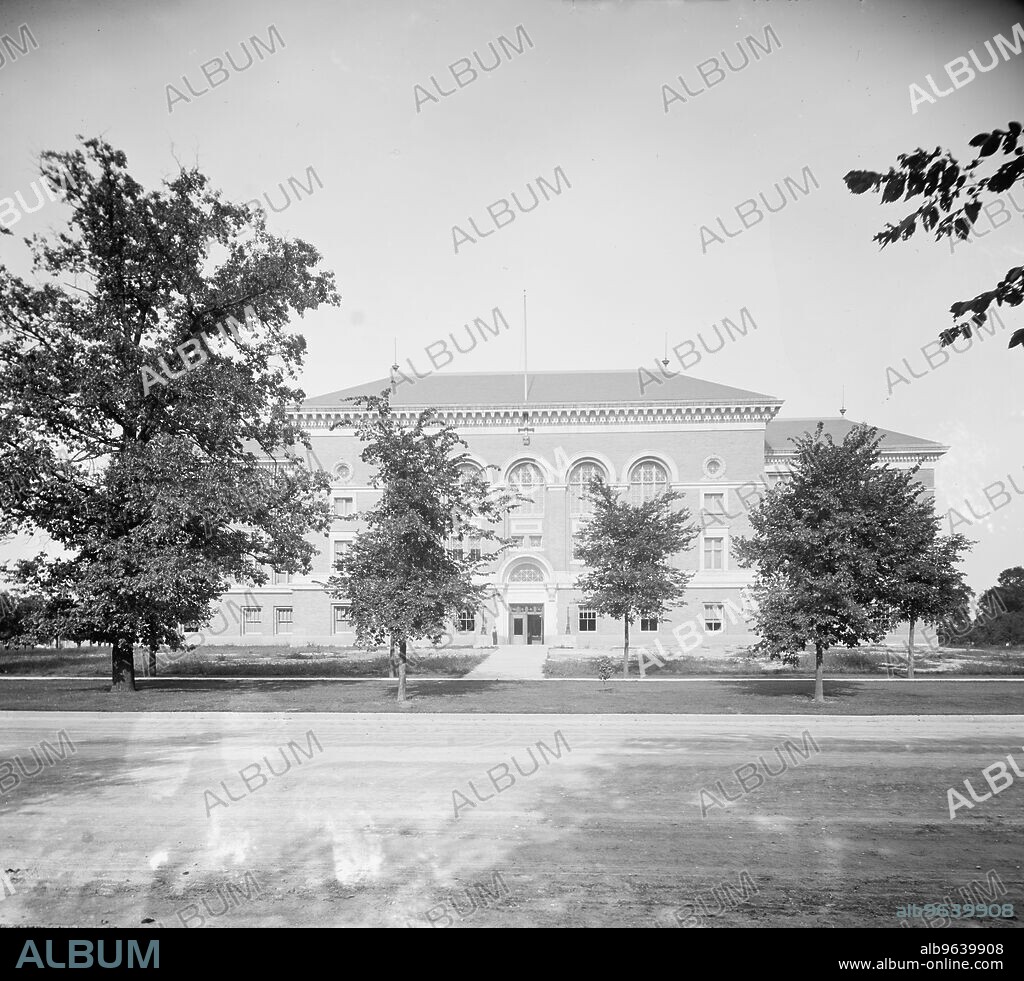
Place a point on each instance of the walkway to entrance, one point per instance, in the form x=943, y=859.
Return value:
x=508, y=662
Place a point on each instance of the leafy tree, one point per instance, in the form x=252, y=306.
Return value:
x=627, y=548
x=951, y=199
x=150, y=475
x=16, y=615
x=1000, y=619
x=927, y=584
x=401, y=578
x=825, y=547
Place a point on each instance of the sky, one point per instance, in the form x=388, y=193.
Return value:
x=615, y=262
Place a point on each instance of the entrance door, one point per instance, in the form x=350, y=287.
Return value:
x=527, y=623
x=519, y=635
x=535, y=628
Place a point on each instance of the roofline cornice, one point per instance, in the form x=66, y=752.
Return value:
x=898, y=454
x=559, y=413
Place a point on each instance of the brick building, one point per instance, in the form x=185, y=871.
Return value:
x=547, y=436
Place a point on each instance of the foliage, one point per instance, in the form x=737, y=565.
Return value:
x=1000, y=618
x=155, y=490
x=605, y=667
x=827, y=546
x=950, y=202
x=926, y=585
x=627, y=549
x=402, y=577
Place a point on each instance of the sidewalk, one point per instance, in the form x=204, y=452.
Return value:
x=521, y=662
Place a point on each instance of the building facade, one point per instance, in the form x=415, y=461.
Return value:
x=546, y=435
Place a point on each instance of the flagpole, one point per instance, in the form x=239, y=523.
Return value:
x=526, y=390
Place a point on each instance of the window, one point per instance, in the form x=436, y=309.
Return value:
x=464, y=546
x=714, y=552
x=526, y=480
x=579, y=524
x=714, y=502
x=714, y=467
x=339, y=615
x=527, y=572
x=713, y=617
x=343, y=506
x=467, y=622
x=467, y=471
x=579, y=481
x=190, y=628
x=283, y=619
x=714, y=508
x=647, y=480
x=339, y=549
x=525, y=542
x=282, y=578
x=648, y=624
x=588, y=621
x=252, y=619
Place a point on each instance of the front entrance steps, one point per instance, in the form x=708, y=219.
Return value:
x=522, y=662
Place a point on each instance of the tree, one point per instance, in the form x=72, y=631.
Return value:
x=954, y=191
x=627, y=548
x=825, y=547
x=927, y=585
x=402, y=578
x=16, y=615
x=154, y=481
x=1000, y=618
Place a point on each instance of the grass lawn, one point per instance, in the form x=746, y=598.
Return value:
x=863, y=661
x=223, y=661
x=844, y=696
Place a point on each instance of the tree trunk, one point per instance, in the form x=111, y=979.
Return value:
x=122, y=661
x=625, y=647
x=819, y=681
x=152, y=662
x=910, y=652
x=402, y=650
x=391, y=657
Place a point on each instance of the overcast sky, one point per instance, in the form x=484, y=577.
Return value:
x=615, y=261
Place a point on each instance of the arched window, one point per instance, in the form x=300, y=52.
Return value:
x=579, y=481
x=527, y=480
x=527, y=572
x=467, y=471
x=647, y=480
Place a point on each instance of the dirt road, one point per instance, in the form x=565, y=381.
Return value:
x=221, y=819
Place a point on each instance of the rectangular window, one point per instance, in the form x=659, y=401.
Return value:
x=527, y=542
x=467, y=622
x=252, y=619
x=648, y=624
x=588, y=621
x=714, y=552
x=714, y=507
x=714, y=502
x=342, y=506
x=283, y=619
x=713, y=617
x=282, y=578
x=340, y=617
x=339, y=550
